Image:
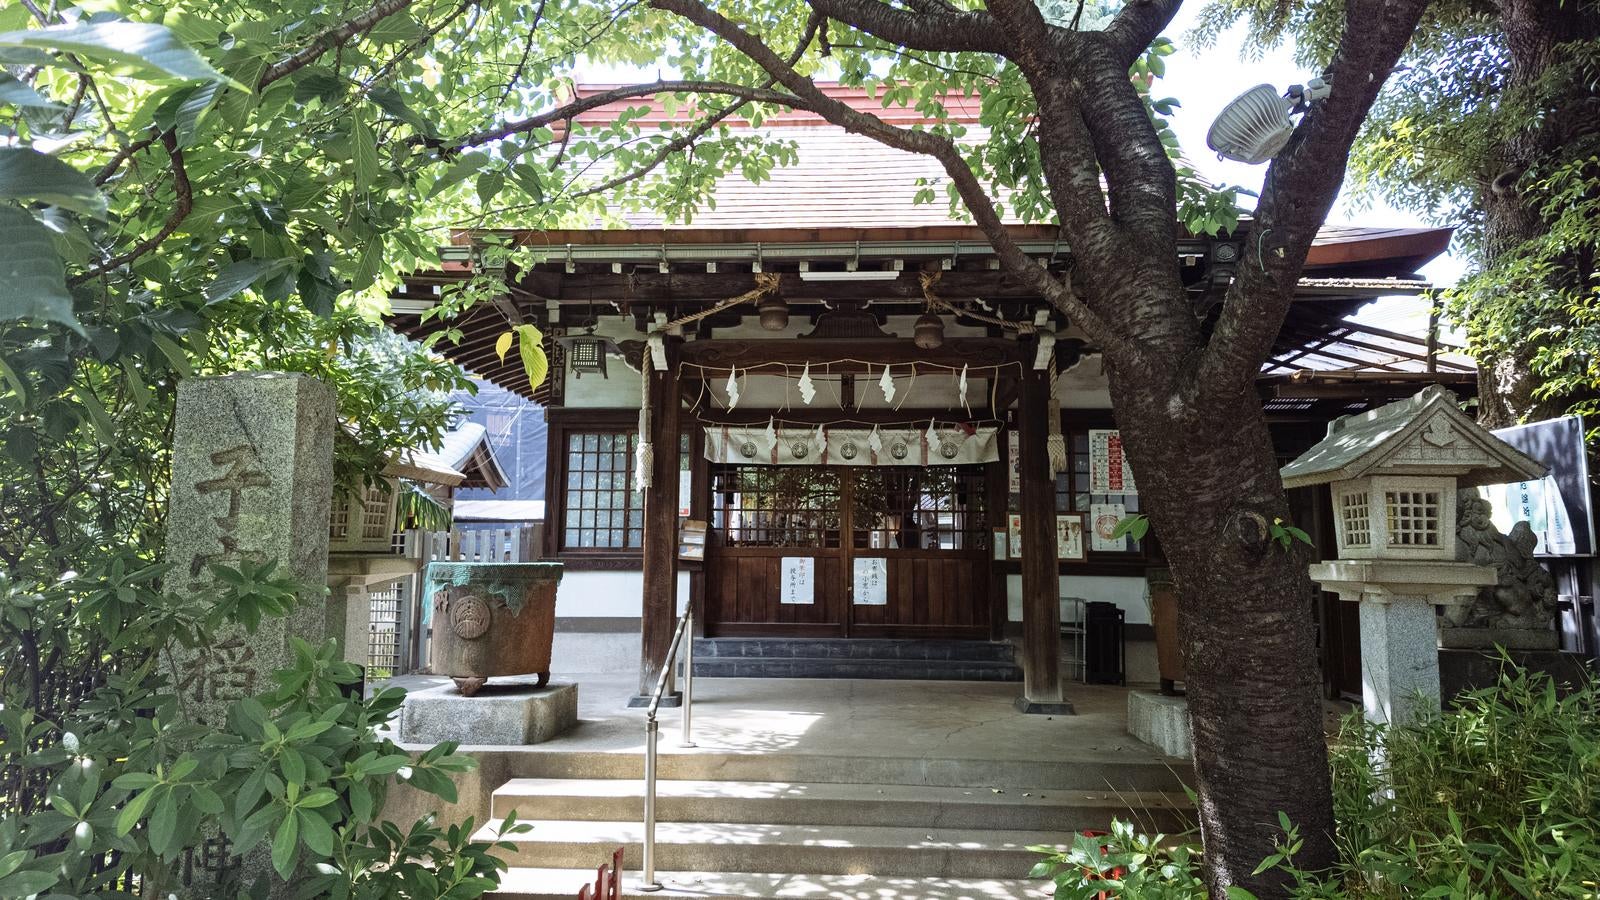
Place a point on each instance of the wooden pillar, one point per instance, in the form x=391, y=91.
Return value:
x=1041, y=605
x=659, y=611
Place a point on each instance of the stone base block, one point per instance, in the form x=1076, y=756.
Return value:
x=1044, y=707
x=1466, y=670
x=1162, y=722
x=504, y=712
x=1486, y=639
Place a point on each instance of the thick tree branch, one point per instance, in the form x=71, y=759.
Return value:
x=952, y=31
x=973, y=193
x=1300, y=188
x=1136, y=25
x=183, y=204
x=745, y=94
x=337, y=36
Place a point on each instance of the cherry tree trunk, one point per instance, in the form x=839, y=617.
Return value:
x=1209, y=480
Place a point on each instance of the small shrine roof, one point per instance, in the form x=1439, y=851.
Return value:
x=1427, y=434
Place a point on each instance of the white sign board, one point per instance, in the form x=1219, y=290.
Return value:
x=1557, y=507
x=871, y=581
x=799, y=580
x=1103, y=519
x=1108, y=466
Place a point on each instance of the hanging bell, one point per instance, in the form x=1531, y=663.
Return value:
x=929, y=332
x=774, y=313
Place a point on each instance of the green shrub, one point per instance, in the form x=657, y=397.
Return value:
x=1498, y=797
x=293, y=780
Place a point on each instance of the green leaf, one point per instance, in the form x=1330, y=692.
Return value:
x=192, y=112
x=131, y=813
x=33, y=283
x=367, y=268
x=283, y=849
x=502, y=344
x=1239, y=893
x=316, y=834
x=29, y=176
x=364, y=153
x=26, y=884
x=389, y=100
x=242, y=274
x=163, y=823
x=534, y=361
x=16, y=93
x=148, y=50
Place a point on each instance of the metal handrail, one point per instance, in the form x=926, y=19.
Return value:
x=652, y=730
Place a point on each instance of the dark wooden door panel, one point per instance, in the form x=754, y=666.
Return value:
x=744, y=596
x=931, y=593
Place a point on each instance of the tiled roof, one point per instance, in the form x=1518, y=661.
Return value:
x=838, y=180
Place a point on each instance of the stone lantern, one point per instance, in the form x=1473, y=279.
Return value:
x=1393, y=473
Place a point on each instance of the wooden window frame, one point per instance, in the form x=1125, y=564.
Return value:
x=1099, y=562
x=562, y=422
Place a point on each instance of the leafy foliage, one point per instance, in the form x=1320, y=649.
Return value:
x=1498, y=797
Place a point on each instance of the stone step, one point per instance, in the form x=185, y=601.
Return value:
x=1113, y=768
x=781, y=803
x=820, y=667
x=799, y=849
x=563, y=884
x=856, y=648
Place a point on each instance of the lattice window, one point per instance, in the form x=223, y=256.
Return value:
x=602, y=510
x=376, y=522
x=339, y=520
x=1413, y=518
x=933, y=508
x=1356, y=518
x=384, y=633
x=776, y=506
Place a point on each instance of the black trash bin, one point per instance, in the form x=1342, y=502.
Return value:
x=1106, y=648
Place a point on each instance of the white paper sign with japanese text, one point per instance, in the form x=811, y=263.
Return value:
x=799, y=580
x=871, y=581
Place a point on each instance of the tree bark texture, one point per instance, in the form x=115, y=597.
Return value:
x=1209, y=479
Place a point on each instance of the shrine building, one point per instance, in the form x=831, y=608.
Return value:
x=823, y=416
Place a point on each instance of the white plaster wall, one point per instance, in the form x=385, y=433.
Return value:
x=608, y=594
x=1125, y=591
x=1084, y=386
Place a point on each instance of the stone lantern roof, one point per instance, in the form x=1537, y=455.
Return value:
x=1425, y=435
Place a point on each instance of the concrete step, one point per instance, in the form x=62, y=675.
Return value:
x=780, y=803
x=856, y=648
x=1110, y=769
x=563, y=884
x=799, y=849
x=829, y=667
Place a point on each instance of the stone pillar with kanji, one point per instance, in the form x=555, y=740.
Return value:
x=252, y=480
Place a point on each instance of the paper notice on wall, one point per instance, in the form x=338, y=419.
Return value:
x=685, y=490
x=1014, y=535
x=799, y=580
x=1108, y=465
x=1014, y=465
x=1103, y=519
x=871, y=581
